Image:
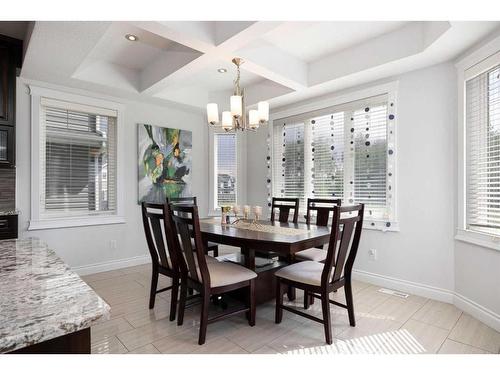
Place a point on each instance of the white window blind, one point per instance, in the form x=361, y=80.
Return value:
x=225, y=169
x=289, y=159
x=338, y=152
x=483, y=151
x=77, y=160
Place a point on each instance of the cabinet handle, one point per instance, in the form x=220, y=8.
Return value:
x=3, y=223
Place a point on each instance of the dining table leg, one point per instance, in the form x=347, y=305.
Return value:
x=249, y=257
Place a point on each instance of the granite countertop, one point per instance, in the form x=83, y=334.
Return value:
x=40, y=297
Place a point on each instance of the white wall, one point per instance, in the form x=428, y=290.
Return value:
x=422, y=252
x=85, y=246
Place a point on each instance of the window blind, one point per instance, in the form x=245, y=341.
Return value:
x=226, y=169
x=289, y=160
x=78, y=161
x=482, y=118
x=337, y=152
x=369, y=139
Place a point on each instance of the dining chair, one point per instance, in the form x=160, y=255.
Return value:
x=321, y=209
x=320, y=279
x=211, y=246
x=284, y=205
x=163, y=258
x=208, y=278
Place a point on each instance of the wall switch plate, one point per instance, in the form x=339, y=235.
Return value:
x=372, y=254
x=112, y=244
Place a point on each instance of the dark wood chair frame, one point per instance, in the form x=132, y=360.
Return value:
x=163, y=259
x=342, y=251
x=323, y=207
x=184, y=225
x=285, y=205
x=192, y=200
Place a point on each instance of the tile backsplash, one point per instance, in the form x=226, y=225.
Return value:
x=7, y=189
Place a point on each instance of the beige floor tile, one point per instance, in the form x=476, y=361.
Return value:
x=140, y=268
x=102, y=275
x=116, y=283
x=368, y=299
x=399, y=310
x=265, y=331
x=300, y=339
x=149, y=333
x=117, y=296
x=146, y=349
x=453, y=347
x=108, y=345
x=120, y=309
x=220, y=345
x=265, y=350
x=358, y=286
x=423, y=337
x=439, y=314
x=472, y=332
x=142, y=317
x=182, y=343
x=109, y=329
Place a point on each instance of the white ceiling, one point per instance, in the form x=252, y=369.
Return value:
x=177, y=62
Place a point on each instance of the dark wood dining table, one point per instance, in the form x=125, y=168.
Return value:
x=250, y=239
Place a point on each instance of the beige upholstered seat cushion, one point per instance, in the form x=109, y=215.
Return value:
x=226, y=273
x=307, y=272
x=211, y=259
x=317, y=255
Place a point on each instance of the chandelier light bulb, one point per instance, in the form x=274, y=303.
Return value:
x=236, y=106
x=227, y=120
x=253, y=118
x=213, y=113
x=263, y=108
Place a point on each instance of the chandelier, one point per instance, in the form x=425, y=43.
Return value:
x=236, y=118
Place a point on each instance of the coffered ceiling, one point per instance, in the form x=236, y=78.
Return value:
x=177, y=62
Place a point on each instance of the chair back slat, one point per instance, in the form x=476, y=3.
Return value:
x=154, y=217
x=183, y=200
x=187, y=226
x=344, y=242
x=285, y=205
x=323, y=208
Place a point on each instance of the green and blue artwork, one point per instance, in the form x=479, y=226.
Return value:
x=164, y=163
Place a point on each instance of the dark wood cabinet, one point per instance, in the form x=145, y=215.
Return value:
x=10, y=62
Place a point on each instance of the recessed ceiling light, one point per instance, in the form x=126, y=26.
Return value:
x=131, y=37
x=222, y=70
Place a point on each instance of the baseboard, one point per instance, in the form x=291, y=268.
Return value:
x=479, y=312
x=411, y=287
x=472, y=308
x=112, y=265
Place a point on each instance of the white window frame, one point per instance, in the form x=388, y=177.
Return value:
x=391, y=89
x=470, y=66
x=241, y=182
x=37, y=222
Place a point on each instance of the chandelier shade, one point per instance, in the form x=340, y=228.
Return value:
x=236, y=118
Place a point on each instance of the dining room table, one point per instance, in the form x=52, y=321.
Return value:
x=280, y=240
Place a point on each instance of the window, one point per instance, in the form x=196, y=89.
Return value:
x=345, y=151
x=225, y=168
x=482, y=123
x=76, y=179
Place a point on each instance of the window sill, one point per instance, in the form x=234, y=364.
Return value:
x=477, y=238
x=74, y=222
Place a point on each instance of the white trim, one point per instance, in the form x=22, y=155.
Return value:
x=411, y=287
x=476, y=62
x=111, y=265
x=39, y=92
x=75, y=222
x=486, y=240
x=481, y=313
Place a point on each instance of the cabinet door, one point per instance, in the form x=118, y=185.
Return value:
x=7, y=82
x=6, y=146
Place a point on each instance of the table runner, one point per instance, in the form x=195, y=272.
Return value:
x=260, y=227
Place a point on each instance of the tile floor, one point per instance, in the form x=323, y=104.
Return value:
x=385, y=324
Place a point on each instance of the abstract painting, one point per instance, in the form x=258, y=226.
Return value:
x=164, y=163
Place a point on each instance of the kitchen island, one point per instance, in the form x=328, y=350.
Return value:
x=44, y=306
